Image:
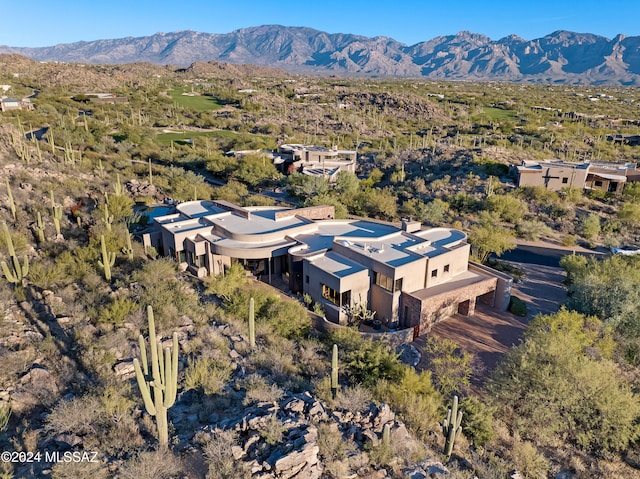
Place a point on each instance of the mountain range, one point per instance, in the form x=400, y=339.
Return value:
x=560, y=57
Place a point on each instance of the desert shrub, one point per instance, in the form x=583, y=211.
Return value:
x=533, y=230
x=207, y=374
x=103, y=419
x=115, y=312
x=509, y=208
x=161, y=464
x=219, y=456
x=46, y=274
x=80, y=470
x=334, y=450
x=225, y=285
x=477, y=420
x=590, y=226
x=413, y=396
x=272, y=430
x=258, y=390
x=517, y=306
x=451, y=367
x=366, y=361
x=528, y=460
x=551, y=386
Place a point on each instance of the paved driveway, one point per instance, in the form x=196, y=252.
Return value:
x=489, y=333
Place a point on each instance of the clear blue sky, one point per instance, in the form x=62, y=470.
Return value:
x=49, y=22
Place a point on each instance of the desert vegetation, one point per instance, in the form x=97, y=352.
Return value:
x=76, y=289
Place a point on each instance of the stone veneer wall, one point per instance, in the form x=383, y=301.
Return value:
x=433, y=309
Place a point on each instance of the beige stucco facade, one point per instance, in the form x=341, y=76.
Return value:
x=408, y=276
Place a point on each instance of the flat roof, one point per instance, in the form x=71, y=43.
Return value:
x=337, y=265
x=390, y=250
x=196, y=209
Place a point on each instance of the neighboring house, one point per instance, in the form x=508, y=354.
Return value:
x=556, y=175
x=8, y=104
x=411, y=278
x=314, y=160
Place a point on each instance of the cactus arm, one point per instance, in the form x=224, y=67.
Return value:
x=174, y=371
x=143, y=355
x=12, y=204
x=144, y=389
x=11, y=277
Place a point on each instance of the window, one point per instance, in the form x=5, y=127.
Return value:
x=565, y=181
x=182, y=257
x=446, y=268
x=330, y=294
x=345, y=299
x=598, y=183
x=306, y=279
x=398, y=285
x=434, y=273
x=201, y=261
x=383, y=281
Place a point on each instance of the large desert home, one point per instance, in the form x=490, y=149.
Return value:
x=410, y=277
x=314, y=160
x=557, y=174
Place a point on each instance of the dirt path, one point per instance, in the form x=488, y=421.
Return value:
x=490, y=333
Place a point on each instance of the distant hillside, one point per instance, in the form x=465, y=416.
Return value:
x=563, y=57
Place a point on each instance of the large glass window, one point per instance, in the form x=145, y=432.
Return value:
x=383, y=281
x=330, y=294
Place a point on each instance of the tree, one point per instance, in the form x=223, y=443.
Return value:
x=590, y=226
x=549, y=388
x=509, y=208
x=487, y=238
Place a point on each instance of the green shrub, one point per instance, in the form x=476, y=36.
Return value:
x=115, y=312
x=517, y=306
x=207, y=374
x=477, y=421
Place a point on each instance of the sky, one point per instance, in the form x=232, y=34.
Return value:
x=40, y=23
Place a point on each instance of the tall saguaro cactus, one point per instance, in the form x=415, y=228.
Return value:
x=56, y=212
x=106, y=216
x=334, y=371
x=252, y=324
x=159, y=388
x=108, y=259
x=16, y=271
x=12, y=204
x=39, y=227
x=451, y=427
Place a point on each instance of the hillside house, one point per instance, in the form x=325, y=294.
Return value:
x=314, y=160
x=8, y=104
x=556, y=175
x=411, y=278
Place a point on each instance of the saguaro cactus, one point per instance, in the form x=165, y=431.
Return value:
x=128, y=250
x=159, y=388
x=118, y=189
x=12, y=204
x=56, y=212
x=386, y=435
x=108, y=259
x=16, y=272
x=334, y=371
x=252, y=324
x=39, y=227
x=108, y=218
x=451, y=427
